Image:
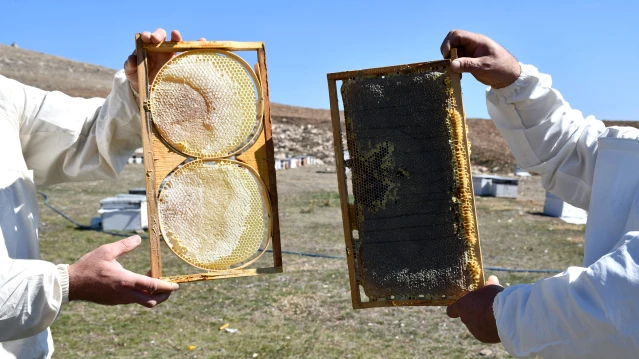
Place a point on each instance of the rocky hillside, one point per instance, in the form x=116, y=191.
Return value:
x=55, y=73
x=296, y=130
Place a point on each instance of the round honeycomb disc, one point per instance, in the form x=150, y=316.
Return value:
x=214, y=214
x=207, y=103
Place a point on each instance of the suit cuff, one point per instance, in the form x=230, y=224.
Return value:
x=63, y=277
x=513, y=89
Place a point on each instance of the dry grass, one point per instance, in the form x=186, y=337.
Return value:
x=302, y=313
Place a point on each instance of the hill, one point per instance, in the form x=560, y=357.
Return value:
x=297, y=130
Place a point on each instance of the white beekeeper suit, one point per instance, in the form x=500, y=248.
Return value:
x=590, y=311
x=46, y=138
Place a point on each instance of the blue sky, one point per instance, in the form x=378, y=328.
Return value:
x=590, y=48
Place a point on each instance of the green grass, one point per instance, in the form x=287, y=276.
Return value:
x=304, y=312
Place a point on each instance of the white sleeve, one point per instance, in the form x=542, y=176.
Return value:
x=548, y=137
x=581, y=313
x=31, y=294
x=74, y=139
x=62, y=139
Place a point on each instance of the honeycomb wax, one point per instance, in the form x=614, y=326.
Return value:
x=413, y=206
x=214, y=214
x=206, y=103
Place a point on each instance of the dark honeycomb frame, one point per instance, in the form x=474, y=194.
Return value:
x=405, y=220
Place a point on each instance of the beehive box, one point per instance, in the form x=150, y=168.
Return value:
x=410, y=228
x=124, y=212
x=504, y=187
x=483, y=185
x=556, y=207
x=495, y=186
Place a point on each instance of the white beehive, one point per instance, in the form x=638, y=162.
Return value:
x=555, y=207
x=504, y=187
x=495, y=186
x=279, y=164
x=482, y=185
x=124, y=212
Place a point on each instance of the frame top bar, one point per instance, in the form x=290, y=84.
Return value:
x=379, y=71
x=169, y=46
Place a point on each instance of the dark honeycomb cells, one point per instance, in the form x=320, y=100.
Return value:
x=377, y=163
x=410, y=231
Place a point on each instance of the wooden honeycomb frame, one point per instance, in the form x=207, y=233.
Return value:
x=348, y=212
x=160, y=159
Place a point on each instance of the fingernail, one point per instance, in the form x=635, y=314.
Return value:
x=176, y=286
x=136, y=239
x=456, y=65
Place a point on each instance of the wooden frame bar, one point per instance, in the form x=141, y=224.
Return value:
x=347, y=208
x=343, y=190
x=160, y=159
x=168, y=46
x=149, y=161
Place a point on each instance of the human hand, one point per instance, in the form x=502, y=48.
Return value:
x=98, y=277
x=475, y=310
x=155, y=60
x=485, y=59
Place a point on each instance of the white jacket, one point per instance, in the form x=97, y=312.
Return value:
x=590, y=311
x=47, y=138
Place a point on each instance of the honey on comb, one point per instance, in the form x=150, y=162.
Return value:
x=214, y=214
x=206, y=103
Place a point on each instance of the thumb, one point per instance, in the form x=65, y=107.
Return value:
x=453, y=311
x=492, y=280
x=465, y=64
x=131, y=65
x=122, y=246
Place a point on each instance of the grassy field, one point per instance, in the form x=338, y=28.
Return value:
x=304, y=312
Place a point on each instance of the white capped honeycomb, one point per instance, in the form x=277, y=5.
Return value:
x=214, y=214
x=206, y=103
